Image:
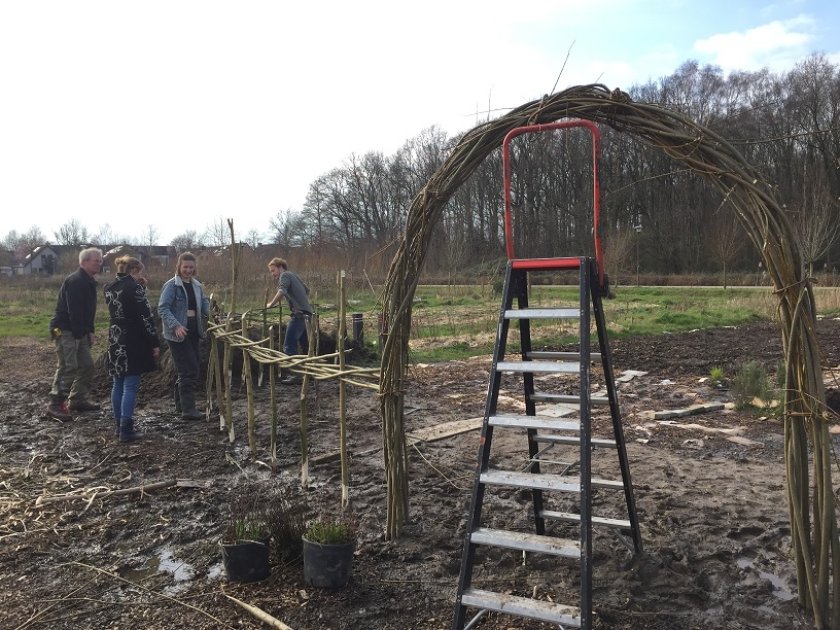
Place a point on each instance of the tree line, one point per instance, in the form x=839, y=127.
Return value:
x=656, y=215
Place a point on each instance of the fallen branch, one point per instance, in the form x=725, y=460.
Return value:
x=259, y=613
x=89, y=494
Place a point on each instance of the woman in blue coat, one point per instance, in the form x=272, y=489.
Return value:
x=184, y=308
x=133, y=346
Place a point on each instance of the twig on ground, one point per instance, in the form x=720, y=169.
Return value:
x=259, y=613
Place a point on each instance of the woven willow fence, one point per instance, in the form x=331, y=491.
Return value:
x=233, y=334
x=813, y=519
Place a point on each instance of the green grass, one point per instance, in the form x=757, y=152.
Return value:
x=452, y=322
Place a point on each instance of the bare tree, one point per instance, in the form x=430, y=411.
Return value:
x=282, y=227
x=72, y=233
x=725, y=239
x=11, y=240
x=217, y=234
x=23, y=244
x=186, y=241
x=253, y=238
x=816, y=224
x=151, y=235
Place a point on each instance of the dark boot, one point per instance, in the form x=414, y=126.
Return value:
x=177, y=398
x=127, y=432
x=84, y=405
x=117, y=423
x=57, y=409
x=187, y=395
x=287, y=377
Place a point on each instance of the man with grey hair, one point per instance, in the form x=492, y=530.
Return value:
x=72, y=331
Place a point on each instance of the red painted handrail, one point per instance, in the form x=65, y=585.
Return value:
x=596, y=187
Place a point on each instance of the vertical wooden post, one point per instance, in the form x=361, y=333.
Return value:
x=342, y=390
x=248, y=377
x=304, y=417
x=272, y=374
x=228, y=381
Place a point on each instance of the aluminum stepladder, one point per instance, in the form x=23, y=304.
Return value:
x=547, y=433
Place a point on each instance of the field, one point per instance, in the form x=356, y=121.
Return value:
x=709, y=487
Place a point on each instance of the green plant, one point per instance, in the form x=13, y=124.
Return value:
x=750, y=382
x=330, y=532
x=248, y=528
x=716, y=373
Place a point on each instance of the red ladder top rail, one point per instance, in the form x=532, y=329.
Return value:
x=596, y=187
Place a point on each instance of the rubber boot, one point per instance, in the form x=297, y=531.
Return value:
x=127, y=432
x=57, y=409
x=188, y=410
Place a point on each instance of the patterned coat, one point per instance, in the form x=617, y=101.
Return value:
x=132, y=334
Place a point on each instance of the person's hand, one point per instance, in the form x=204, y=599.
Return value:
x=269, y=305
x=91, y=338
x=155, y=352
x=180, y=332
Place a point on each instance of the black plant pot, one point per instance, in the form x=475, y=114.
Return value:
x=246, y=561
x=327, y=566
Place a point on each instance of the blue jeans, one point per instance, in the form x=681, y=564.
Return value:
x=124, y=395
x=296, y=334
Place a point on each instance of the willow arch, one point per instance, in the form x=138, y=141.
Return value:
x=816, y=548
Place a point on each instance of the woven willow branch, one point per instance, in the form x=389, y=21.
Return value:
x=710, y=155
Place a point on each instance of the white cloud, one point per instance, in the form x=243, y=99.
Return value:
x=775, y=45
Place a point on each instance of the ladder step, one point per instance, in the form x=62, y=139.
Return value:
x=550, y=355
x=523, y=607
x=596, y=520
x=542, y=481
x=521, y=541
x=568, y=398
x=542, y=313
x=546, y=423
x=545, y=264
x=573, y=439
x=538, y=367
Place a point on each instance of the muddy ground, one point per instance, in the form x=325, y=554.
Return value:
x=709, y=490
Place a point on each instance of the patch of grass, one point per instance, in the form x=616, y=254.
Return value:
x=26, y=325
x=750, y=382
x=330, y=532
x=248, y=529
x=458, y=321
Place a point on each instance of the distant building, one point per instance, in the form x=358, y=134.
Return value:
x=153, y=256
x=43, y=260
x=7, y=263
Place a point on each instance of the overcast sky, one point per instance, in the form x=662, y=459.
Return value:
x=180, y=113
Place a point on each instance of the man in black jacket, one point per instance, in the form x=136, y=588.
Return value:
x=72, y=330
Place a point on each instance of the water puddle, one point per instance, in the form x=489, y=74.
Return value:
x=780, y=589
x=216, y=571
x=162, y=562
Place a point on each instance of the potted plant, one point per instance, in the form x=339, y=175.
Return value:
x=245, y=548
x=328, y=546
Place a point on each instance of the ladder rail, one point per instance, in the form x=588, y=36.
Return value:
x=585, y=454
x=474, y=519
x=615, y=414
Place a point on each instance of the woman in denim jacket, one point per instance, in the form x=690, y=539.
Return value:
x=183, y=308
